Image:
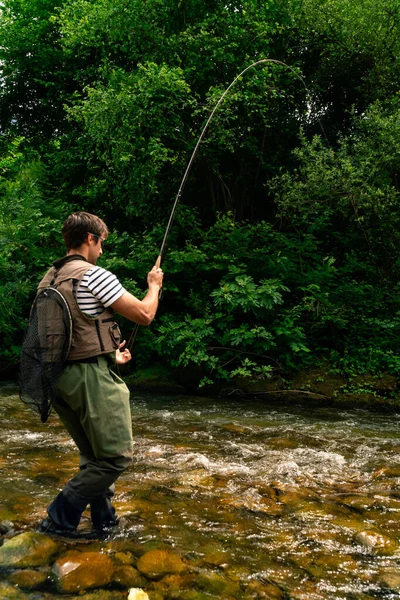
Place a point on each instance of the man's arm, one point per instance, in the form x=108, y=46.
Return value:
x=141, y=311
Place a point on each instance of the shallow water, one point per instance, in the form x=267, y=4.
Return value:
x=302, y=501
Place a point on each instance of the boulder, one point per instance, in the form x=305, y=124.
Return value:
x=77, y=571
x=27, y=550
x=156, y=564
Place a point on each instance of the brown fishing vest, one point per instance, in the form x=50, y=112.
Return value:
x=91, y=336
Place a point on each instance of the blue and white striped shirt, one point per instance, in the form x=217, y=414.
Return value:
x=98, y=289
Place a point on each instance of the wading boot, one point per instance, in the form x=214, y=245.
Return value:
x=103, y=516
x=63, y=519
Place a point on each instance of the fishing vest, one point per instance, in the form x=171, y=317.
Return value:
x=91, y=336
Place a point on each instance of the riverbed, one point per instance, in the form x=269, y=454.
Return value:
x=264, y=501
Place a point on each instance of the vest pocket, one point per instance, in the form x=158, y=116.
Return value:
x=115, y=334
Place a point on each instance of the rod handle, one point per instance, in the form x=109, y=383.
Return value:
x=158, y=263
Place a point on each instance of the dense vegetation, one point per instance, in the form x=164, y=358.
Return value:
x=285, y=248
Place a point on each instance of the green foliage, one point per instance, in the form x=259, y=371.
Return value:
x=29, y=237
x=285, y=246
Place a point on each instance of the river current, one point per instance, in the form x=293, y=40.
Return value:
x=279, y=502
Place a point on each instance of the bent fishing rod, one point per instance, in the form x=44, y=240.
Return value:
x=189, y=165
x=262, y=61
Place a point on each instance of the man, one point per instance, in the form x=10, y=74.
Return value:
x=92, y=401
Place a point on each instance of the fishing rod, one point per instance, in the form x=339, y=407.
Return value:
x=190, y=163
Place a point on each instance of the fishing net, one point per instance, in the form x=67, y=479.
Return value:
x=45, y=350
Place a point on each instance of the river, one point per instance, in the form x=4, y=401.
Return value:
x=302, y=501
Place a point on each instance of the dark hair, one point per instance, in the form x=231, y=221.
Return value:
x=78, y=225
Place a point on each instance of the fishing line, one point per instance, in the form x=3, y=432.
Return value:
x=189, y=165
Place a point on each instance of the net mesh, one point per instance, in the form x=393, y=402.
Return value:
x=45, y=350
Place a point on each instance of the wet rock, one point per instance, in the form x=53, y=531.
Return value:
x=212, y=583
x=29, y=579
x=218, y=558
x=282, y=443
x=389, y=578
x=254, y=503
x=127, y=576
x=172, y=586
x=123, y=558
x=137, y=594
x=217, y=481
x=77, y=571
x=156, y=564
x=385, y=472
x=6, y=526
x=376, y=542
x=27, y=550
x=8, y=592
x=236, y=429
x=256, y=589
x=307, y=591
x=359, y=503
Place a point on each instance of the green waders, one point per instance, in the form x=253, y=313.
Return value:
x=93, y=405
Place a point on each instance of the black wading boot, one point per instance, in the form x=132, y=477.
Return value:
x=103, y=515
x=63, y=518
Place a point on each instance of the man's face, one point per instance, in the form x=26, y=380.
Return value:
x=95, y=246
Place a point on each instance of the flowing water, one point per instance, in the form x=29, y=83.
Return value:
x=265, y=501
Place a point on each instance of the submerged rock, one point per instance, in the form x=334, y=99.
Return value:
x=8, y=592
x=155, y=564
x=126, y=576
x=27, y=550
x=389, y=578
x=77, y=571
x=376, y=542
x=29, y=579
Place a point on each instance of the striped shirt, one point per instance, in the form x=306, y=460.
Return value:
x=97, y=290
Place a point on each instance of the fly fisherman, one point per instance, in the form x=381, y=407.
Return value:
x=92, y=401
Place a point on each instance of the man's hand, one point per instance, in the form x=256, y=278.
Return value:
x=155, y=277
x=122, y=356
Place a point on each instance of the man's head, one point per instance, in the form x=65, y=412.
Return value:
x=84, y=232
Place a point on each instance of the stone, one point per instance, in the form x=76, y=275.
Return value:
x=385, y=472
x=156, y=564
x=126, y=576
x=214, y=584
x=266, y=590
x=29, y=579
x=376, y=542
x=9, y=592
x=28, y=549
x=137, y=594
x=390, y=578
x=77, y=571
x=217, y=558
x=123, y=558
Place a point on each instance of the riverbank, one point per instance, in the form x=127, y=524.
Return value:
x=318, y=386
